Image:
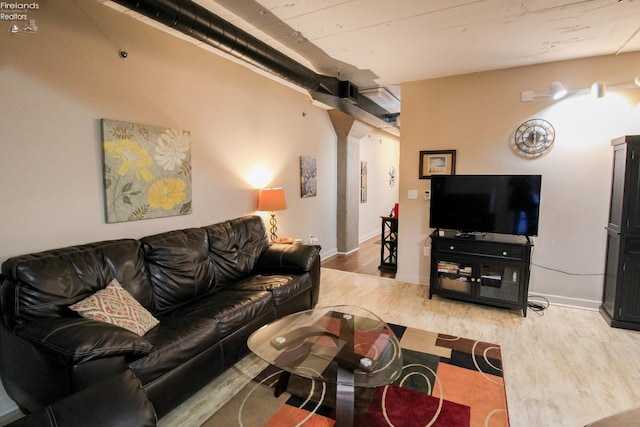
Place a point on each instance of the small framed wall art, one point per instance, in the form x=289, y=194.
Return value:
x=363, y=181
x=308, y=177
x=441, y=162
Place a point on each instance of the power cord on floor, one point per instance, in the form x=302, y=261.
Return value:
x=538, y=307
x=568, y=273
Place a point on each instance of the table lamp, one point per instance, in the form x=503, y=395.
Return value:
x=272, y=199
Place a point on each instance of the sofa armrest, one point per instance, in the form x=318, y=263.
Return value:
x=77, y=340
x=118, y=401
x=286, y=258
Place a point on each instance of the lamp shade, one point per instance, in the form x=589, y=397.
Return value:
x=271, y=199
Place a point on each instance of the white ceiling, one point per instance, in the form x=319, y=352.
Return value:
x=387, y=42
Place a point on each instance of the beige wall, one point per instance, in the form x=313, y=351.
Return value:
x=381, y=151
x=58, y=83
x=477, y=115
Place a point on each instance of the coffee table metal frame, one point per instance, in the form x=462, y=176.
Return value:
x=343, y=345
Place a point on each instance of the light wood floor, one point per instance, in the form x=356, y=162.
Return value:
x=565, y=368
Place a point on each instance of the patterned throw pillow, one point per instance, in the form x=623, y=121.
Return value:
x=116, y=306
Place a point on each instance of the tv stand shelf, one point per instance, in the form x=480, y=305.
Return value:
x=487, y=269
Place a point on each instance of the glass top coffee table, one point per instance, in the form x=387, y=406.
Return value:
x=343, y=345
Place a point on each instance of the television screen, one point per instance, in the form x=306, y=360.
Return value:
x=505, y=204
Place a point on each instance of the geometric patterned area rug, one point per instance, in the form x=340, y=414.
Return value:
x=446, y=381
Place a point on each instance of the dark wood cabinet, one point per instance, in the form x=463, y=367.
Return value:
x=486, y=269
x=389, y=244
x=621, y=292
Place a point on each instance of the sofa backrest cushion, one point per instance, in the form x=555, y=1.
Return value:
x=179, y=266
x=235, y=246
x=44, y=284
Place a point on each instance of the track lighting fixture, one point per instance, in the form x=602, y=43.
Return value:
x=598, y=89
x=557, y=90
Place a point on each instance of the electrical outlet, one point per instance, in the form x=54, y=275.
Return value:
x=427, y=251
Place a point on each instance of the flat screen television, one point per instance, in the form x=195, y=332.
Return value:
x=504, y=204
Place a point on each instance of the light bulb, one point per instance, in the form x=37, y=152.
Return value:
x=557, y=90
x=598, y=89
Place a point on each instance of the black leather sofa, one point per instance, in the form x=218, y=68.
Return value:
x=209, y=287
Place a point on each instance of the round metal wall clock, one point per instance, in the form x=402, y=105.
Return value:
x=534, y=137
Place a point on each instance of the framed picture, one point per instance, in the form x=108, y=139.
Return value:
x=308, y=177
x=437, y=163
x=363, y=182
x=147, y=171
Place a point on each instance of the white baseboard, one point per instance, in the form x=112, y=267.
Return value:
x=328, y=254
x=347, y=253
x=558, y=300
x=563, y=301
x=334, y=251
x=368, y=236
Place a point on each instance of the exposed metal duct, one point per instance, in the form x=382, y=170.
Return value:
x=196, y=21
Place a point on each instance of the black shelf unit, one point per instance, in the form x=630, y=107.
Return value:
x=389, y=244
x=621, y=292
x=486, y=269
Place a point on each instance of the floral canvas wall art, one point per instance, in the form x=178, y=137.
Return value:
x=147, y=171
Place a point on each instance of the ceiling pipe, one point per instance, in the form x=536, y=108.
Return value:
x=203, y=25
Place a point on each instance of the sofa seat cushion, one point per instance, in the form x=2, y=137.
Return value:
x=283, y=287
x=231, y=309
x=175, y=341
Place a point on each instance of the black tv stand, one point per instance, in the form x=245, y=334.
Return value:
x=483, y=268
x=467, y=235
